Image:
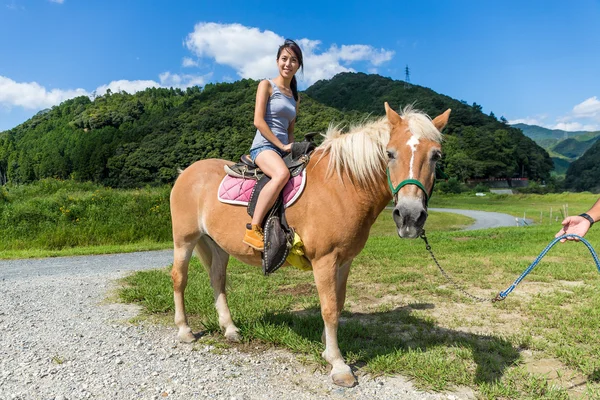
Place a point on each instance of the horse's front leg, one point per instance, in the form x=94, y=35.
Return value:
x=325, y=271
x=342, y=279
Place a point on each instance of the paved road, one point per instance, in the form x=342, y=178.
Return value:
x=483, y=219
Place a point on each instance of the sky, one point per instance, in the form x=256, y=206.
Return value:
x=535, y=61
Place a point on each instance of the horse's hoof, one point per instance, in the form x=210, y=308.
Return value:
x=233, y=335
x=186, y=336
x=344, y=379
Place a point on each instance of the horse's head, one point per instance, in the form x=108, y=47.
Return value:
x=413, y=150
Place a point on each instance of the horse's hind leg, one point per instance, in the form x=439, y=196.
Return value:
x=179, y=274
x=215, y=260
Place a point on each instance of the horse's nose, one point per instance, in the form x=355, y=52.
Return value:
x=410, y=216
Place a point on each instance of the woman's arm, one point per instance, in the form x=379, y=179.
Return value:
x=260, y=108
x=579, y=225
x=292, y=124
x=594, y=212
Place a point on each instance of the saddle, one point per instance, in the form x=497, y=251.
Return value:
x=296, y=160
x=278, y=235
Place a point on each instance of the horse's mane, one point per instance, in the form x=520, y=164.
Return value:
x=361, y=154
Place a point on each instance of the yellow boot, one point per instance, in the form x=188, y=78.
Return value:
x=254, y=237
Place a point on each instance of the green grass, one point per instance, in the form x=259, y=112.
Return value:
x=402, y=317
x=53, y=217
x=85, y=250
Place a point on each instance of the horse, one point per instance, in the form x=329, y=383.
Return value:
x=351, y=178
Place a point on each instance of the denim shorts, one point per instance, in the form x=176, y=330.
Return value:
x=255, y=152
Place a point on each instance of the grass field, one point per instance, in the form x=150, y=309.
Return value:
x=402, y=317
x=52, y=218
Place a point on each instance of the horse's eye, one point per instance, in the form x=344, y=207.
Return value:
x=436, y=156
x=391, y=155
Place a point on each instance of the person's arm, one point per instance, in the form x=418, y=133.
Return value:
x=260, y=108
x=292, y=124
x=580, y=224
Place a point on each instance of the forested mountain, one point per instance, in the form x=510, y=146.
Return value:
x=563, y=146
x=476, y=146
x=584, y=173
x=539, y=133
x=125, y=140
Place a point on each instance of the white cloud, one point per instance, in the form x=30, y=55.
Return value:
x=251, y=52
x=168, y=79
x=588, y=108
x=188, y=62
x=126, y=86
x=575, y=126
x=31, y=95
x=584, y=116
x=57, y=1
x=528, y=120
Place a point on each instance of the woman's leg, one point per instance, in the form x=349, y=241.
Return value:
x=271, y=163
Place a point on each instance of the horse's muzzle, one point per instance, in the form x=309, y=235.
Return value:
x=410, y=216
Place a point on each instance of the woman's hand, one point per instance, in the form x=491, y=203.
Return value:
x=287, y=148
x=575, y=225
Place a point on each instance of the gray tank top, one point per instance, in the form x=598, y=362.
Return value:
x=281, y=111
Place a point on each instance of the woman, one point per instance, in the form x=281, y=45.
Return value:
x=274, y=118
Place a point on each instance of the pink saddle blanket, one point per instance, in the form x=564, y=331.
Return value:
x=237, y=190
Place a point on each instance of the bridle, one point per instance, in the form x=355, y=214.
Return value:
x=417, y=183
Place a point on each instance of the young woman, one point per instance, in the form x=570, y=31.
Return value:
x=274, y=118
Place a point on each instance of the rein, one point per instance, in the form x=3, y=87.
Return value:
x=503, y=294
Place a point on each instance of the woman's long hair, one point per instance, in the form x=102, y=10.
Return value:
x=293, y=46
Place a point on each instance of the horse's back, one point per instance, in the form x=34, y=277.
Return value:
x=196, y=210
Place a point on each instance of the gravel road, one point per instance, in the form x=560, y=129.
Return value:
x=61, y=339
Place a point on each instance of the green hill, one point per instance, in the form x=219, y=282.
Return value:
x=573, y=148
x=125, y=140
x=565, y=145
x=477, y=145
x=132, y=140
x=584, y=173
x=539, y=133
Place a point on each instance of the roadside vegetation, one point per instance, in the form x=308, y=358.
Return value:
x=53, y=217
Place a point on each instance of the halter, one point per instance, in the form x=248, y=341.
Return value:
x=415, y=182
x=405, y=182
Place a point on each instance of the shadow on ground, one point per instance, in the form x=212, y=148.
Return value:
x=364, y=337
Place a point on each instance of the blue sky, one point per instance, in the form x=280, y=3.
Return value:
x=534, y=61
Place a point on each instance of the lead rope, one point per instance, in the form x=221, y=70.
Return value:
x=502, y=295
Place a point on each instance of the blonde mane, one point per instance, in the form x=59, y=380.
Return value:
x=361, y=153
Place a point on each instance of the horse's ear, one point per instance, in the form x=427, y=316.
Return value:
x=441, y=120
x=392, y=115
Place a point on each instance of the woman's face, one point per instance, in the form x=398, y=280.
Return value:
x=287, y=63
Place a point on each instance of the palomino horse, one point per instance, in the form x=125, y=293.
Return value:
x=346, y=190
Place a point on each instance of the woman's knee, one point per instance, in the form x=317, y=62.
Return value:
x=281, y=176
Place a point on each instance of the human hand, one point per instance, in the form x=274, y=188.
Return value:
x=575, y=225
x=287, y=148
